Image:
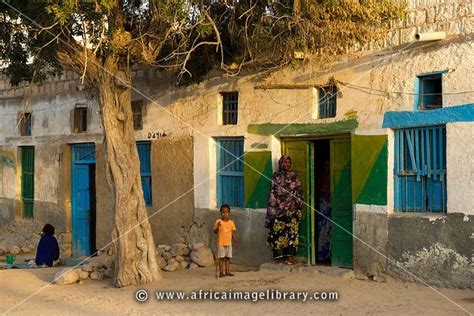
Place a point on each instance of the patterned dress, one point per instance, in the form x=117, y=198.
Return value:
x=282, y=219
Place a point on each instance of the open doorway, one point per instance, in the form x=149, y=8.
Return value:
x=324, y=168
x=322, y=194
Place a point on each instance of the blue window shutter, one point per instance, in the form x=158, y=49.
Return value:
x=230, y=171
x=420, y=169
x=144, y=153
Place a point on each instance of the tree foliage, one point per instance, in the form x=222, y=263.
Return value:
x=190, y=37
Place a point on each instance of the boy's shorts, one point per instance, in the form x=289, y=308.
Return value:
x=224, y=251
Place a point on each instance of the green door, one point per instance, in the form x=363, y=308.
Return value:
x=298, y=151
x=27, y=180
x=341, y=232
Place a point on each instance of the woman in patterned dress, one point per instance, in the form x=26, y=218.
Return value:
x=284, y=212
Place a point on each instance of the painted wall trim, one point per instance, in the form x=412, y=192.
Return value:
x=281, y=130
x=461, y=113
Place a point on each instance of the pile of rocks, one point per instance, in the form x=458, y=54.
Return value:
x=94, y=271
x=182, y=256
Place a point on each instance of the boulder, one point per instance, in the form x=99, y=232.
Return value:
x=186, y=251
x=66, y=276
x=25, y=249
x=179, y=258
x=171, y=267
x=109, y=262
x=203, y=257
x=161, y=262
x=14, y=250
x=164, y=247
x=198, y=245
x=83, y=275
x=109, y=272
x=178, y=249
x=167, y=255
x=173, y=261
x=87, y=268
x=183, y=264
x=192, y=265
x=96, y=276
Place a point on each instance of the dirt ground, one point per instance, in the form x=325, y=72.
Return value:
x=27, y=292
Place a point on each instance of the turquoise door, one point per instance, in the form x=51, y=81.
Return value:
x=83, y=156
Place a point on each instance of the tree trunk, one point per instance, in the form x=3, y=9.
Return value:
x=135, y=261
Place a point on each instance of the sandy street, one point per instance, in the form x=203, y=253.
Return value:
x=28, y=293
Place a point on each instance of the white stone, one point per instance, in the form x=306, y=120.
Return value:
x=164, y=247
x=14, y=250
x=65, y=277
x=203, y=257
x=161, y=262
x=198, y=245
x=167, y=255
x=170, y=268
x=192, y=265
x=83, y=275
x=96, y=276
x=178, y=249
x=87, y=268
x=186, y=251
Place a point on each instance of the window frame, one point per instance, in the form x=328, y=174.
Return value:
x=80, y=123
x=419, y=93
x=25, y=121
x=145, y=170
x=230, y=116
x=137, y=116
x=226, y=177
x=327, y=108
x=420, y=169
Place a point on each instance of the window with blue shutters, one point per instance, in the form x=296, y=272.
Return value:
x=144, y=153
x=420, y=169
x=230, y=171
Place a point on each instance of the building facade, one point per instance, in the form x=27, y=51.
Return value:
x=382, y=140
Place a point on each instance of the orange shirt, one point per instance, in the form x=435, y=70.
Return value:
x=224, y=235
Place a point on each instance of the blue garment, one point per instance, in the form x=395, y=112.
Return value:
x=48, y=251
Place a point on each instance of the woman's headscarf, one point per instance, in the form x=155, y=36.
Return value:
x=285, y=190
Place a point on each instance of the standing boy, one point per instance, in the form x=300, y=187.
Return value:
x=225, y=230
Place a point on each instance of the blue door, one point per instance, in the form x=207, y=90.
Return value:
x=83, y=157
x=81, y=212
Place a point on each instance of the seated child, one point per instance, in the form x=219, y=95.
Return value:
x=48, y=248
x=225, y=230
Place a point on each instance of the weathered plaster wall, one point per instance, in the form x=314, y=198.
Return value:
x=104, y=199
x=173, y=202
x=369, y=248
x=460, y=167
x=437, y=249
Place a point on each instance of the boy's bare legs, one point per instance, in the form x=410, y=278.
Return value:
x=227, y=267
x=221, y=267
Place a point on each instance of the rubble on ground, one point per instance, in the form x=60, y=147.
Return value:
x=180, y=256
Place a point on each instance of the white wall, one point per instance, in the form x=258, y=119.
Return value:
x=460, y=167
